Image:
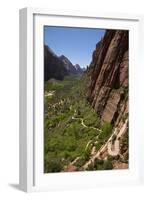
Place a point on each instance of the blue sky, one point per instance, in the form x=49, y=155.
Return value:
x=77, y=44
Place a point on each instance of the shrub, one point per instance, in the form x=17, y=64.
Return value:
x=80, y=162
x=87, y=154
x=110, y=158
x=66, y=154
x=106, y=130
x=99, y=162
x=53, y=165
x=91, y=119
x=98, y=146
x=90, y=167
x=102, y=164
x=107, y=165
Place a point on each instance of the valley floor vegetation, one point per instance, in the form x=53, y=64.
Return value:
x=71, y=127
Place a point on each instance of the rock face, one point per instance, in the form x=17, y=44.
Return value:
x=108, y=77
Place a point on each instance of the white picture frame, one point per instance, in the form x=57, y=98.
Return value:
x=31, y=175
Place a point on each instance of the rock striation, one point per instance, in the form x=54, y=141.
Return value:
x=108, y=77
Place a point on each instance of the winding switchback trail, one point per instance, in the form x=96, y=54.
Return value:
x=84, y=125
x=116, y=145
x=105, y=146
x=89, y=142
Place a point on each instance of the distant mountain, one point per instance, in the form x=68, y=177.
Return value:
x=58, y=67
x=79, y=69
x=68, y=65
x=72, y=69
x=53, y=66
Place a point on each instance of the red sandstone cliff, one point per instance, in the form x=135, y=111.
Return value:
x=108, y=74
x=108, y=94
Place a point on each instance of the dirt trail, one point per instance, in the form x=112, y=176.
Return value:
x=116, y=145
x=89, y=142
x=84, y=125
x=74, y=161
x=110, y=151
x=49, y=93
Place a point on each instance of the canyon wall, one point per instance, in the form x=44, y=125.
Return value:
x=108, y=77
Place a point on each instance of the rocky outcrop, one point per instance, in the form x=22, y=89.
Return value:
x=108, y=77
